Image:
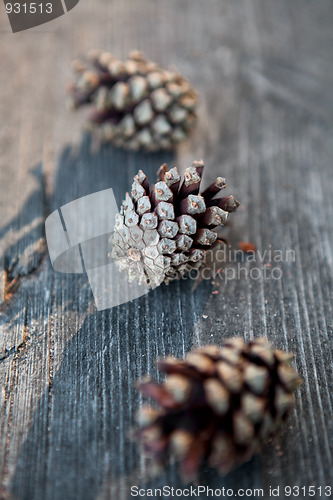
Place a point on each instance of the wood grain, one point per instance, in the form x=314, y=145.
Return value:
x=264, y=73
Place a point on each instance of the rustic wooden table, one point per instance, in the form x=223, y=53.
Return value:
x=264, y=72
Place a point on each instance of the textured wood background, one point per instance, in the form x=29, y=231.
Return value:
x=264, y=72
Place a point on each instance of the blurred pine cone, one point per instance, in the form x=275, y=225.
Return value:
x=136, y=104
x=164, y=231
x=219, y=404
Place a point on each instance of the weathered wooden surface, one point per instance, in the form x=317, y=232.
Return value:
x=264, y=73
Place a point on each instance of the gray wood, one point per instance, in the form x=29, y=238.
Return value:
x=264, y=73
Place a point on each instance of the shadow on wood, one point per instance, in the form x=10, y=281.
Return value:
x=80, y=428
x=79, y=431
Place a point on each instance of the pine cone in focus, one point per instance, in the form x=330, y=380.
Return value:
x=219, y=404
x=136, y=104
x=164, y=231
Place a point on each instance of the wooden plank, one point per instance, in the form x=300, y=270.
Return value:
x=67, y=372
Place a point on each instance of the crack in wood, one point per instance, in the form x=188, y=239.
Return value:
x=14, y=350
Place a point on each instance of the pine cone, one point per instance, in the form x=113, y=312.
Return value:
x=163, y=232
x=136, y=104
x=219, y=404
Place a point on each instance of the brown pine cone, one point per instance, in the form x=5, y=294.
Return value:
x=136, y=104
x=164, y=231
x=219, y=404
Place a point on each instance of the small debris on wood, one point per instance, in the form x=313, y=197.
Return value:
x=247, y=247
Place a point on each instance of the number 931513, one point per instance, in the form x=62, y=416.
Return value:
x=28, y=8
